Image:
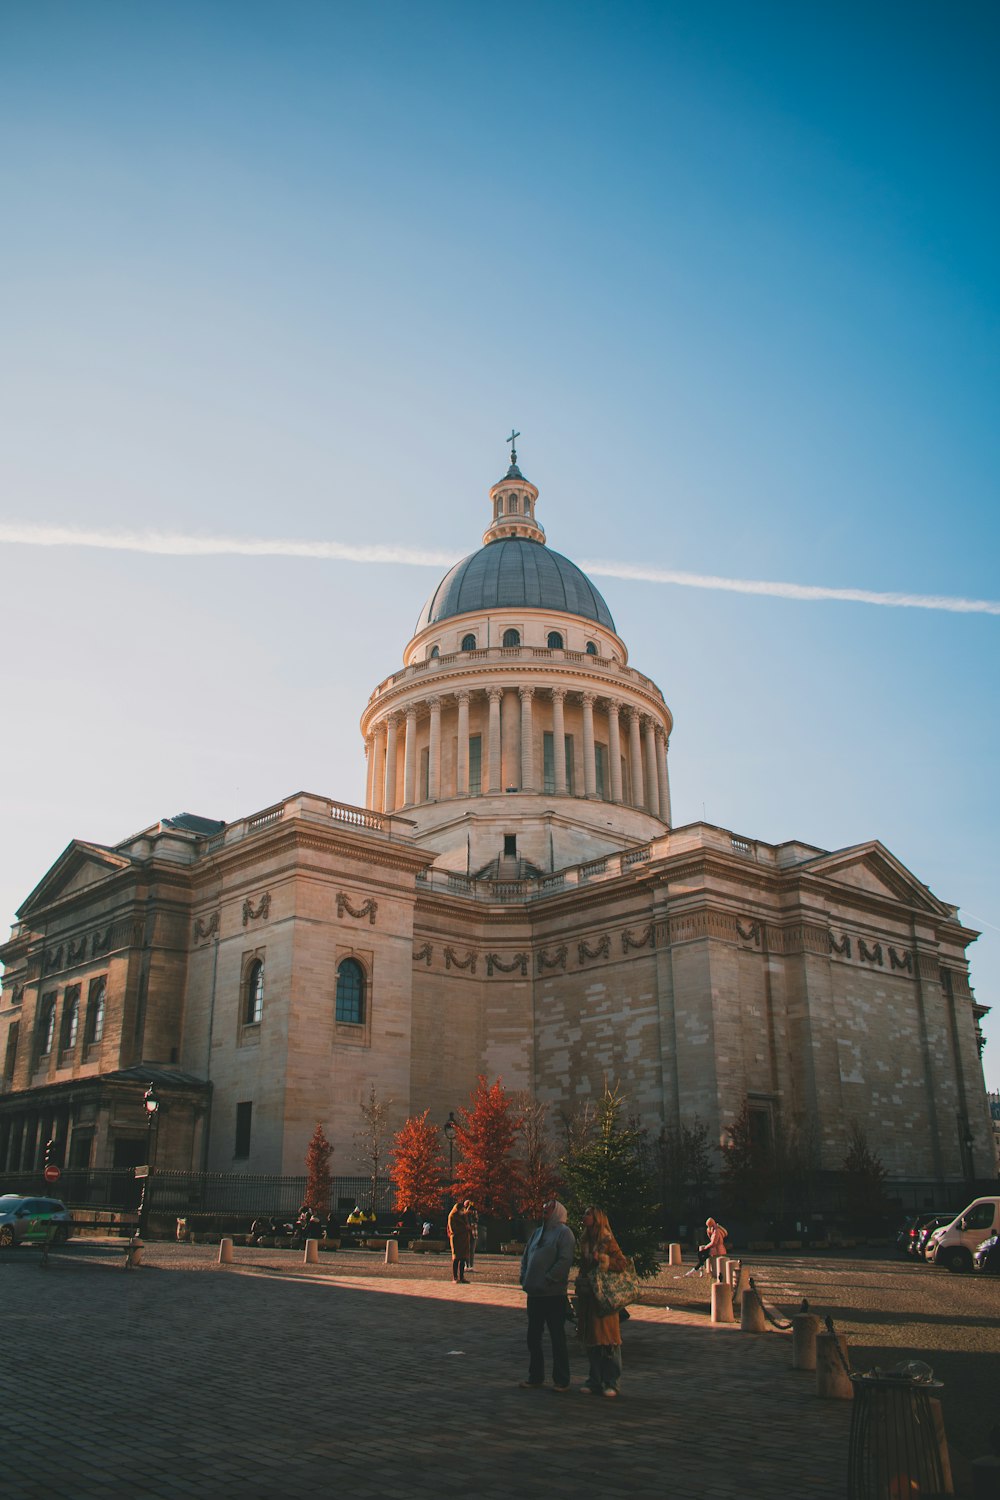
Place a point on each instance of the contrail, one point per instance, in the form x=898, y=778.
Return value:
x=176, y=544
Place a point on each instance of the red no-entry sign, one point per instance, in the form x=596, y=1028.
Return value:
x=52, y=1174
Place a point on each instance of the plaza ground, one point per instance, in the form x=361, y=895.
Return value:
x=182, y=1378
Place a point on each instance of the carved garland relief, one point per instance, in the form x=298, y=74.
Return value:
x=262, y=911
x=366, y=909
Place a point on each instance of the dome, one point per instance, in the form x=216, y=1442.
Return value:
x=515, y=573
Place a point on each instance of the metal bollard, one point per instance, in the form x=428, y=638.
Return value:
x=832, y=1378
x=391, y=1252
x=310, y=1256
x=751, y=1312
x=805, y=1327
x=225, y=1251
x=675, y=1258
x=722, y=1303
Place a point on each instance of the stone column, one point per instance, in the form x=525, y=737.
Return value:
x=635, y=758
x=652, y=788
x=410, y=758
x=614, y=751
x=526, y=694
x=462, y=764
x=434, y=752
x=493, y=770
x=369, y=774
x=662, y=744
x=559, y=740
x=589, y=760
x=378, y=766
x=389, y=793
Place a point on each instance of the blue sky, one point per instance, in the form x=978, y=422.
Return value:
x=292, y=271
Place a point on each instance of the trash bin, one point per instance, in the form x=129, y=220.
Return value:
x=897, y=1445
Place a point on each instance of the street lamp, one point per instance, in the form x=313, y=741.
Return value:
x=449, y=1130
x=151, y=1105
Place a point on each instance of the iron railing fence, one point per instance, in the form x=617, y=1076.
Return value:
x=251, y=1194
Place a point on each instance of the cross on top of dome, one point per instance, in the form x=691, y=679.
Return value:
x=513, y=472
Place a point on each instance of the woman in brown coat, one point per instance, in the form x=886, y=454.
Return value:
x=599, y=1250
x=458, y=1235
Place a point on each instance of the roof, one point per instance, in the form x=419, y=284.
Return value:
x=515, y=573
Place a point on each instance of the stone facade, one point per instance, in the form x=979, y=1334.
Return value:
x=512, y=901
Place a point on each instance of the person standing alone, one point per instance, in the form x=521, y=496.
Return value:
x=545, y=1268
x=458, y=1235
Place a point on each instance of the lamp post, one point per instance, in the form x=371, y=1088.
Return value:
x=449, y=1130
x=151, y=1105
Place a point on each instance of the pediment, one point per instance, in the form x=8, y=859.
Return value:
x=79, y=866
x=872, y=869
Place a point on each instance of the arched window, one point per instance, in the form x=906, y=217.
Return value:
x=468, y=643
x=555, y=641
x=71, y=1019
x=253, y=1008
x=351, y=992
x=95, y=1010
x=47, y=1027
x=512, y=637
x=512, y=505
x=591, y=649
x=432, y=653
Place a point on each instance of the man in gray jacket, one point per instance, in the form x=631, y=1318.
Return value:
x=545, y=1268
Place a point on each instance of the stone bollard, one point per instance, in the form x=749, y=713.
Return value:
x=805, y=1327
x=134, y=1253
x=739, y=1280
x=722, y=1268
x=751, y=1312
x=675, y=1258
x=832, y=1379
x=391, y=1252
x=310, y=1255
x=225, y=1251
x=722, y=1303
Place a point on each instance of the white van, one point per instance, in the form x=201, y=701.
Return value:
x=954, y=1244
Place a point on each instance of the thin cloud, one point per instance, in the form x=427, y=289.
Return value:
x=175, y=544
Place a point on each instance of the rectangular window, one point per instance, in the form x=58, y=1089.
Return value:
x=549, y=763
x=244, y=1117
x=510, y=846
x=475, y=765
x=10, y=1057
x=600, y=762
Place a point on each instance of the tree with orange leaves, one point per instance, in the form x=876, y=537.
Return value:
x=416, y=1166
x=487, y=1169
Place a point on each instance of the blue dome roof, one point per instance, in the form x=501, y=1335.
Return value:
x=515, y=574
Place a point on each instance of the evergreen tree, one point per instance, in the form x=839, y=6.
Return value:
x=865, y=1182
x=416, y=1166
x=487, y=1169
x=319, y=1178
x=610, y=1169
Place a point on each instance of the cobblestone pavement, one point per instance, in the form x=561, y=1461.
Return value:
x=271, y=1373
x=270, y=1378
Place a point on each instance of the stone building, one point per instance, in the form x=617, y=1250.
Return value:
x=512, y=900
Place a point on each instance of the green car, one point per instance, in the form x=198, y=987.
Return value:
x=33, y=1221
